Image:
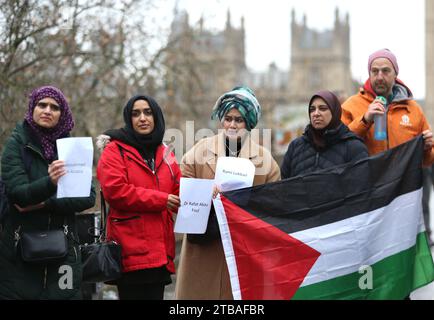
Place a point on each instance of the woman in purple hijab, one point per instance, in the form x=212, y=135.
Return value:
x=30, y=171
x=49, y=118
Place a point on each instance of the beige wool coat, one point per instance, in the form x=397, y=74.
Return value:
x=202, y=272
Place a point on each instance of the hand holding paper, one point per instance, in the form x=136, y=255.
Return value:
x=56, y=170
x=196, y=194
x=173, y=203
x=216, y=191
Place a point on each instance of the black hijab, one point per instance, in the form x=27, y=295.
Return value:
x=317, y=136
x=146, y=144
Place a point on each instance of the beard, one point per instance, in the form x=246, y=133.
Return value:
x=383, y=88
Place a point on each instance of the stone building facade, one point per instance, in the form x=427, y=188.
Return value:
x=320, y=60
x=205, y=64
x=202, y=64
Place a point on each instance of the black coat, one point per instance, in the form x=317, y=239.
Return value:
x=302, y=157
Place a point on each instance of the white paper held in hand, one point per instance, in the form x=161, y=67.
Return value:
x=78, y=156
x=195, y=196
x=234, y=173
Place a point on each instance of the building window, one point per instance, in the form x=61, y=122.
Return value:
x=314, y=78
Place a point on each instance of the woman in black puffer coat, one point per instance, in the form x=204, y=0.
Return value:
x=326, y=141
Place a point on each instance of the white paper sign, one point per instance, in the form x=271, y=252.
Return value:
x=78, y=156
x=195, y=196
x=234, y=173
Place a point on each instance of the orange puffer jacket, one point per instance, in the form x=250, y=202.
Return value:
x=405, y=120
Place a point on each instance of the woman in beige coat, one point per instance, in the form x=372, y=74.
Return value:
x=202, y=272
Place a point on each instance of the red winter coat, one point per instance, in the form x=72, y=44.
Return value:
x=138, y=218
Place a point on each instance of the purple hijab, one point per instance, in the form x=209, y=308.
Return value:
x=48, y=137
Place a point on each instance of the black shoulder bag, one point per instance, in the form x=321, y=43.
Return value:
x=43, y=247
x=102, y=260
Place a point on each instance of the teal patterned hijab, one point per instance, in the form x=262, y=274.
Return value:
x=244, y=100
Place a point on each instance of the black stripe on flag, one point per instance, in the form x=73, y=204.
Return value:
x=327, y=196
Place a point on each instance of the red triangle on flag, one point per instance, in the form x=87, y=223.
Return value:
x=271, y=264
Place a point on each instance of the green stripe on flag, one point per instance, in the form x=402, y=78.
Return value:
x=394, y=277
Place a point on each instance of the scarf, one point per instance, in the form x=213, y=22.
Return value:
x=145, y=144
x=244, y=100
x=48, y=137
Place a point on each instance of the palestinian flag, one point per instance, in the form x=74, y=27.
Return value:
x=351, y=232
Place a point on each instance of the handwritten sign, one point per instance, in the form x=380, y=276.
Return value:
x=78, y=156
x=234, y=173
x=195, y=196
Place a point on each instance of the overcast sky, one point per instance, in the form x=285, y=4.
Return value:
x=395, y=24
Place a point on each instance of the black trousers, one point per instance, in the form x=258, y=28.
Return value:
x=151, y=291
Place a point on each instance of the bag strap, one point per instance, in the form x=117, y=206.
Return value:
x=121, y=151
x=103, y=219
x=104, y=212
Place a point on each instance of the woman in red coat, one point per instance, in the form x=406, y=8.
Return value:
x=139, y=178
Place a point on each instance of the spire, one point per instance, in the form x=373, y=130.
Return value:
x=304, y=20
x=228, y=19
x=186, y=20
x=242, y=22
x=201, y=23
x=176, y=8
x=178, y=23
x=293, y=17
x=337, y=22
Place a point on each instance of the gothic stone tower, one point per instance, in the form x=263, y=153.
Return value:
x=218, y=57
x=320, y=60
x=201, y=65
x=429, y=40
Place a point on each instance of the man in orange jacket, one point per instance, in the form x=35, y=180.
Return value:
x=405, y=118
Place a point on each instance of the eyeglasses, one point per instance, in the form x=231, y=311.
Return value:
x=44, y=105
x=146, y=112
x=238, y=120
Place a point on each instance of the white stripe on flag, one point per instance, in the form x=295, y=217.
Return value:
x=365, y=239
x=228, y=248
